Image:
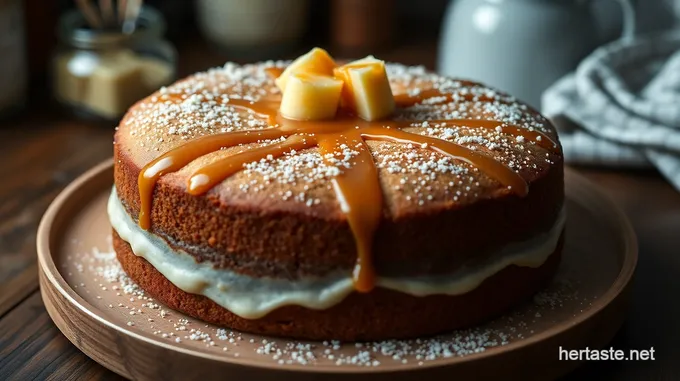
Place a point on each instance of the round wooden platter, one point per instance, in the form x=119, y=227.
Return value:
x=111, y=320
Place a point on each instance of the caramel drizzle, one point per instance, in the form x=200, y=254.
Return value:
x=273, y=72
x=363, y=208
x=357, y=188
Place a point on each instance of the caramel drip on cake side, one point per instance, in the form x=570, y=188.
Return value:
x=357, y=187
x=179, y=157
x=360, y=196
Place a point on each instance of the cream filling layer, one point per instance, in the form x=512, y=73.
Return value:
x=252, y=298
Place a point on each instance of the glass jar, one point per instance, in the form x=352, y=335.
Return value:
x=101, y=73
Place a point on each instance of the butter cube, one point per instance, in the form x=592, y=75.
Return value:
x=367, y=90
x=310, y=96
x=317, y=61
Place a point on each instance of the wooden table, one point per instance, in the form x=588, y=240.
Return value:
x=41, y=152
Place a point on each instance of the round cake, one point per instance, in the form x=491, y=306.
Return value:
x=443, y=214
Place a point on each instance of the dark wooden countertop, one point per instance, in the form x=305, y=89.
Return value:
x=42, y=151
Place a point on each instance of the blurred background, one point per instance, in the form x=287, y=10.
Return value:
x=605, y=71
x=48, y=49
x=66, y=55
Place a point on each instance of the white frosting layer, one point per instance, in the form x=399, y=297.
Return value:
x=252, y=298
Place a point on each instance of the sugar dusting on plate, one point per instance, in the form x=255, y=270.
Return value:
x=114, y=291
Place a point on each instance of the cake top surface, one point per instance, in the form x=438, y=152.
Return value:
x=412, y=177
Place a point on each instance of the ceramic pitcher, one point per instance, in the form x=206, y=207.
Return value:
x=520, y=46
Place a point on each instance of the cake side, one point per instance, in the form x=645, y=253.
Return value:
x=376, y=315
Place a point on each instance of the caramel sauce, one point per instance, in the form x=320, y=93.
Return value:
x=404, y=100
x=179, y=157
x=261, y=108
x=357, y=188
x=360, y=196
x=486, y=163
x=212, y=174
x=273, y=72
x=537, y=137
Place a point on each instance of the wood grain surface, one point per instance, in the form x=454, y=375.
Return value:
x=42, y=151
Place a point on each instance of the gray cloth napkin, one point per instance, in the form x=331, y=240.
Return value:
x=625, y=102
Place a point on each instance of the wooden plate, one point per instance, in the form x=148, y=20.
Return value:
x=112, y=321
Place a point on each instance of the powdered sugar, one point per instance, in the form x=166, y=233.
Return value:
x=129, y=304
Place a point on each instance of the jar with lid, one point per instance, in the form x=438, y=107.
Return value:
x=101, y=73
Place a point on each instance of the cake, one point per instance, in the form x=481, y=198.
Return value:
x=320, y=201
